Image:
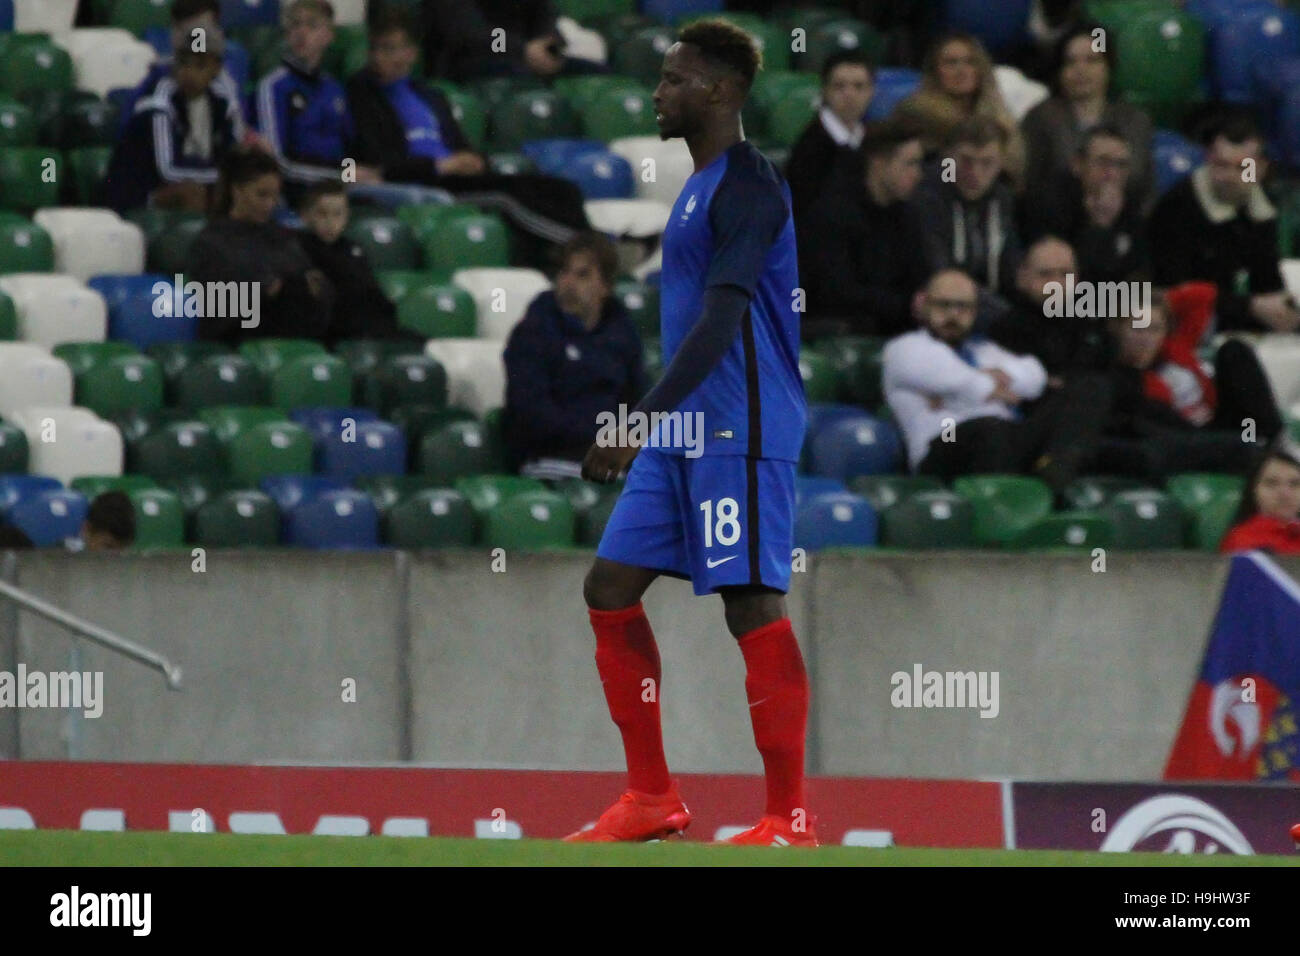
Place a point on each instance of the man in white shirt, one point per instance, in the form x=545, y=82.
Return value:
x=827, y=157
x=968, y=406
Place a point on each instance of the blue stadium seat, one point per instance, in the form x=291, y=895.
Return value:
x=238, y=14
x=133, y=320
x=1001, y=26
x=863, y=445
x=6, y=16
x=322, y=422
x=552, y=156
x=821, y=415
x=334, y=519
x=807, y=486
x=290, y=491
x=835, y=520
x=49, y=517
x=1254, y=35
x=160, y=38
x=117, y=288
x=1288, y=125
x=379, y=449
x=893, y=85
x=15, y=488
x=603, y=175
x=1174, y=157
x=670, y=11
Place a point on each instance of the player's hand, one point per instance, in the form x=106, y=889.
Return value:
x=604, y=463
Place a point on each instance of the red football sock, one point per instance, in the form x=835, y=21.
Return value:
x=626, y=655
x=777, y=687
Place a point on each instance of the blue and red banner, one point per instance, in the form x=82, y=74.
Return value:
x=1241, y=721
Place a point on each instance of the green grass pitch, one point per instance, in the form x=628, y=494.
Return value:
x=74, y=848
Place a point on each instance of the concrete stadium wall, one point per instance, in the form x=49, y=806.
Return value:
x=456, y=664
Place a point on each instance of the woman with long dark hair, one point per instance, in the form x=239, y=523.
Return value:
x=1269, y=516
x=241, y=244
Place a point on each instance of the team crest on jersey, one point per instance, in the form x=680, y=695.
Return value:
x=297, y=102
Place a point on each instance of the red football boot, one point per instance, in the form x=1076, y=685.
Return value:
x=776, y=831
x=638, y=817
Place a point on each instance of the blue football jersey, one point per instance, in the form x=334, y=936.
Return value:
x=732, y=225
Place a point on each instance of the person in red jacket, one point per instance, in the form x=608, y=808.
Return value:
x=1269, y=517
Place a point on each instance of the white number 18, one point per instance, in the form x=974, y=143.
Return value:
x=728, y=525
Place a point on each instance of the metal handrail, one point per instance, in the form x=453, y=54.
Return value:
x=105, y=638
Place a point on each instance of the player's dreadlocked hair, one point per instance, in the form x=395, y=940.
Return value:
x=726, y=45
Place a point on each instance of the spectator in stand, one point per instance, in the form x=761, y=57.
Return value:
x=361, y=309
x=241, y=244
x=1092, y=209
x=302, y=112
x=110, y=523
x=172, y=149
x=187, y=16
x=406, y=130
x=574, y=355
x=860, y=253
x=957, y=398
x=969, y=218
x=1065, y=344
x=1269, y=516
x=1217, y=225
x=460, y=42
x=1169, y=414
x=958, y=85
x=1049, y=21
x=827, y=159
x=1055, y=128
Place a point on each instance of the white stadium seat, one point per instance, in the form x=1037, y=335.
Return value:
x=581, y=43
x=502, y=296
x=84, y=444
x=44, y=16
x=630, y=218
x=349, y=12
x=54, y=308
x=91, y=242
x=1020, y=93
x=476, y=374
x=672, y=165
x=1291, y=276
x=106, y=58
x=30, y=375
x=1279, y=354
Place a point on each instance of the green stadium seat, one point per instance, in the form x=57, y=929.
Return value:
x=269, y=354
x=929, y=519
x=13, y=449
x=30, y=62
x=642, y=304
x=136, y=16
x=1095, y=491
x=1005, y=505
x=510, y=164
x=168, y=251
x=195, y=490
x=1210, y=500
x=8, y=318
x=1065, y=530
x=364, y=355
x=458, y=450
x=618, y=28
x=439, y=311
x=175, y=357
x=591, y=505
x=831, y=36
x=467, y=242
x=159, y=519
x=228, y=422
x=641, y=54
x=388, y=242
x=93, y=486
x=1288, y=225
x=83, y=356
x=820, y=381
x=17, y=124
x=388, y=490
x=772, y=41
x=1144, y=520
x=398, y=282
x=617, y=112
x=310, y=381
x=427, y=219
x=154, y=222
x=885, y=491
x=27, y=179
x=87, y=167
x=271, y=448
x=807, y=18
x=530, y=520
x=485, y=492
x=528, y=115
x=585, y=11
x=24, y=246
x=432, y=518
x=348, y=53
x=1160, y=62
x=470, y=114
x=126, y=381
x=417, y=420
x=176, y=450
x=405, y=380
x=238, y=519
x=856, y=360
x=791, y=116
x=591, y=522
x=135, y=423
x=225, y=379
x=81, y=123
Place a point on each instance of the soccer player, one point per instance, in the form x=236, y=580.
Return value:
x=722, y=518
